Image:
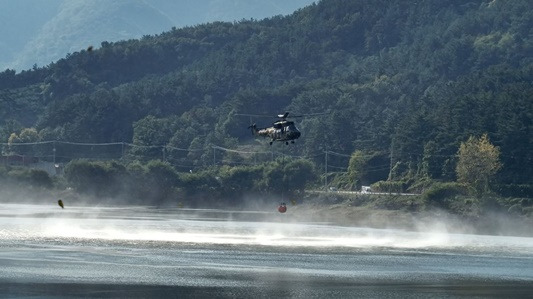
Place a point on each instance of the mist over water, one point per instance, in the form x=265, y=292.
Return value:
x=140, y=252
x=251, y=228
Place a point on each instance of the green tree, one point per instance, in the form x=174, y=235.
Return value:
x=431, y=167
x=236, y=181
x=8, y=128
x=162, y=180
x=150, y=135
x=298, y=174
x=366, y=168
x=479, y=160
x=96, y=178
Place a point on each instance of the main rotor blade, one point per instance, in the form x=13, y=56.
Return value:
x=285, y=115
x=253, y=115
x=309, y=115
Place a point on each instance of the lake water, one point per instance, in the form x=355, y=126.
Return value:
x=139, y=252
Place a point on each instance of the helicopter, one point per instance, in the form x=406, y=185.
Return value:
x=281, y=130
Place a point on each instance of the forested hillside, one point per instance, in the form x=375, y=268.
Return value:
x=404, y=84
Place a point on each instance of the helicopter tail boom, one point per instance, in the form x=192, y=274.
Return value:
x=264, y=132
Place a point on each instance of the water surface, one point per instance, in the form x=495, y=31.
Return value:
x=146, y=252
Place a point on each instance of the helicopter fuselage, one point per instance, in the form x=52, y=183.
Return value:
x=280, y=131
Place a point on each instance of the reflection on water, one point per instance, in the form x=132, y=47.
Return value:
x=192, y=251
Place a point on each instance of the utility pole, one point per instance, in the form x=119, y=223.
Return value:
x=391, y=153
x=326, y=171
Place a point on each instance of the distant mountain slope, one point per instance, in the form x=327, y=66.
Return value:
x=40, y=32
x=186, y=13
x=19, y=22
x=81, y=23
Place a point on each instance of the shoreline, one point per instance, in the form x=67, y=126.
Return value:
x=380, y=212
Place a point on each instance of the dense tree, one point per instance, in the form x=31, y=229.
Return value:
x=365, y=168
x=161, y=178
x=479, y=161
x=95, y=178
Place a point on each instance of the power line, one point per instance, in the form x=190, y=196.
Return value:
x=338, y=167
x=311, y=155
x=337, y=154
x=237, y=151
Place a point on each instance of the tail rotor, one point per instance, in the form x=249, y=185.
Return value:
x=253, y=128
